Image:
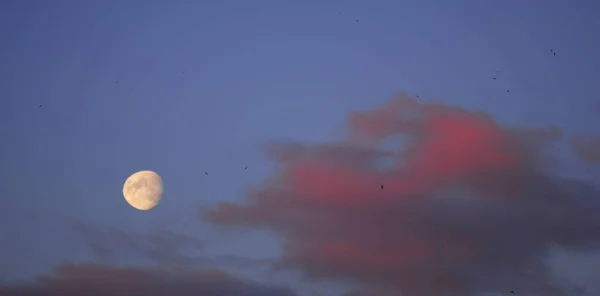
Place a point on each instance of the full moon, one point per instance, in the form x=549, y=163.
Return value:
x=143, y=190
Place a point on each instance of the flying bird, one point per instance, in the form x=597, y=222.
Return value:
x=494, y=78
x=512, y=292
x=40, y=105
x=381, y=186
x=508, y=90
x=206, y=173
x=246, y=168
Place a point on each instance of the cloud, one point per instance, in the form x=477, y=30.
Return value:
x=587, y=148
x=99, y=280
x=576, y=271
x=161, y=246
x=468, y=206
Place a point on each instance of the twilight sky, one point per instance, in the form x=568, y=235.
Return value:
x=489, y=174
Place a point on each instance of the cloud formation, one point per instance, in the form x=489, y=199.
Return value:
x=587, y=148
x=99, y=280
x=468, y=206
x=163, y=247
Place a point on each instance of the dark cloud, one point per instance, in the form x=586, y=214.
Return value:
x=161, y=246
x=587, y=148
x=99, y=280
x=469, y=206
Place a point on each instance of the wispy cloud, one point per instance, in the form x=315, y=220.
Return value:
x=99, y=280
x=162, y=247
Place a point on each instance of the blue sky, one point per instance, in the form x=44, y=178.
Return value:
x=188, y=87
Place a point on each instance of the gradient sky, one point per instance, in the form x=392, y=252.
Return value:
x=188, y=87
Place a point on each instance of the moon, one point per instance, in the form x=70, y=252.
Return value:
x=143, y=190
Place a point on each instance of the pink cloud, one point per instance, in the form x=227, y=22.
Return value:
x=466, y=207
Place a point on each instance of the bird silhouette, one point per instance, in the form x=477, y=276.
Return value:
x=246, y=168
x=512, y=292
x=206, y=173
x=508, y=90
x=40, y=106
x=494, y=78
x=381, y=186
